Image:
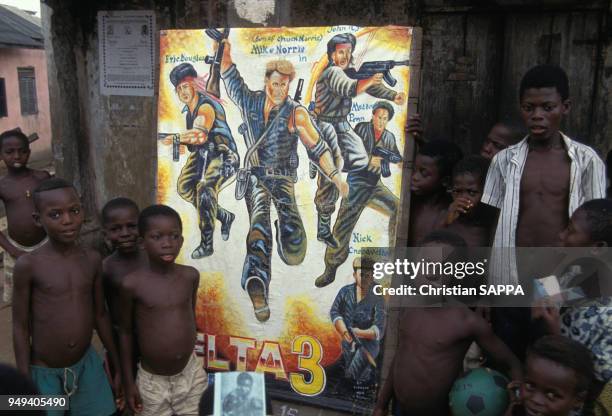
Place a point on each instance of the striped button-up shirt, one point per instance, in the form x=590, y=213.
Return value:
x=502, y=190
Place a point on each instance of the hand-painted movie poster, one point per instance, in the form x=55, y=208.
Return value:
x=282, y=150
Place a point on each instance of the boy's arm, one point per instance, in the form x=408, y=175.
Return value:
x=493, y=345
x=385, y=394
x=594, y=179
x=126, y=339
x=10, y=248
x=22, y=277
x=495, y=184
x=103, y=325
x=196, y=284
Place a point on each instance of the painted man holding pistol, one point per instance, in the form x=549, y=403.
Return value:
x=213, y=157
x=276, y=124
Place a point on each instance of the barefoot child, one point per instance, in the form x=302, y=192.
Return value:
x=467, y=216
x=59, y=299
x=558, y=373
x=432, y=344
x=158, y=308
x=120, y=228
x=16, y=190
x=430, y=179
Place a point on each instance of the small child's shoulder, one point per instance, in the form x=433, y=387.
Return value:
x=40, y=174
x=188, y=271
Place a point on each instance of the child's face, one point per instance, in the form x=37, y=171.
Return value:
x=61, y=215
x=426, y=176
x=576, y=234
x=542, y=110
x=163, y=239
x=497, y=140
x=15, y=153
x=467, y=186
x=121, y=229
x=549, y=389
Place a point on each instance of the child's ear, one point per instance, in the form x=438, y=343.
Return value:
x=567, y=106
x=36, y=216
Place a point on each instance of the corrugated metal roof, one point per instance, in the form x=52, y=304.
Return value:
x=19, y=29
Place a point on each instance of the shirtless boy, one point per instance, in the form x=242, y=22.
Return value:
x=120, y=228
x=59, y=299
x=432, y=344
x=430, y=179
x=158, y=307
x=16, y=192
x=467, y=216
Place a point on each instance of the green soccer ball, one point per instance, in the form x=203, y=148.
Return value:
x=479, y=392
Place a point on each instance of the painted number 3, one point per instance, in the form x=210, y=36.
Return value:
x=310, y=353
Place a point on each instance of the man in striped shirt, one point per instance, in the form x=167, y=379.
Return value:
x=539, y=182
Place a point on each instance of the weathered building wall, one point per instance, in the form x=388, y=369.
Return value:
x=10, y=60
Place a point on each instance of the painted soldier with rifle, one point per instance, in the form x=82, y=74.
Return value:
x=213, y=155
x=274, y=124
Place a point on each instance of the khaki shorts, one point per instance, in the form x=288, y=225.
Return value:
x=9, y=266
x=178, y=394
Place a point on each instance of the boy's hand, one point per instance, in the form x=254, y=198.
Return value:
x=118, y=390
x=514, y=389
x=133, y=398
x=414, y=126
x=458, y=207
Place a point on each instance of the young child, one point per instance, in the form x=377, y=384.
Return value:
x=430, y=179
x=16, y=190
x=467, y=216
x=590, y=320
x=158, y=306
x=558, y=373
x=432, y=344
x=120, y=228
x=502, y=134
x=59, y=299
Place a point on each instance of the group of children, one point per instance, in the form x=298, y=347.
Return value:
x=62, y=291
x=544, y=190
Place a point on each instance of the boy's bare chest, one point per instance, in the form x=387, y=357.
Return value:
x=434, y=328
x=546, y=174
x=58, y=277
x=162, y=294
x=18, y=190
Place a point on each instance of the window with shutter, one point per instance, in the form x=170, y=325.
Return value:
x=27, y=91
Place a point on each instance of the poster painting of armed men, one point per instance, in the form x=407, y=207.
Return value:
x=282, y=150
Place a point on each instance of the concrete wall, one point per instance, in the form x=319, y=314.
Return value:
x=10, y=60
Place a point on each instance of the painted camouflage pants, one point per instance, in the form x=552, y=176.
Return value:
x=326, y=196
x=363, y=192
x=202, y=190
x=290, y=234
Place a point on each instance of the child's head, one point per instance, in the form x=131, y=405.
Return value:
x=558, y=374
x=590, y=225
x=58, y=210
x=14, y=149
x=544, y=100
x=120, y=224
x=469, y=177
x=433, y=167
x=161, y=229
x=502, y=134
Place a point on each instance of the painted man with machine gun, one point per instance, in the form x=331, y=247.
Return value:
x=274, y=124
x=213, y=159
x=338, y=84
